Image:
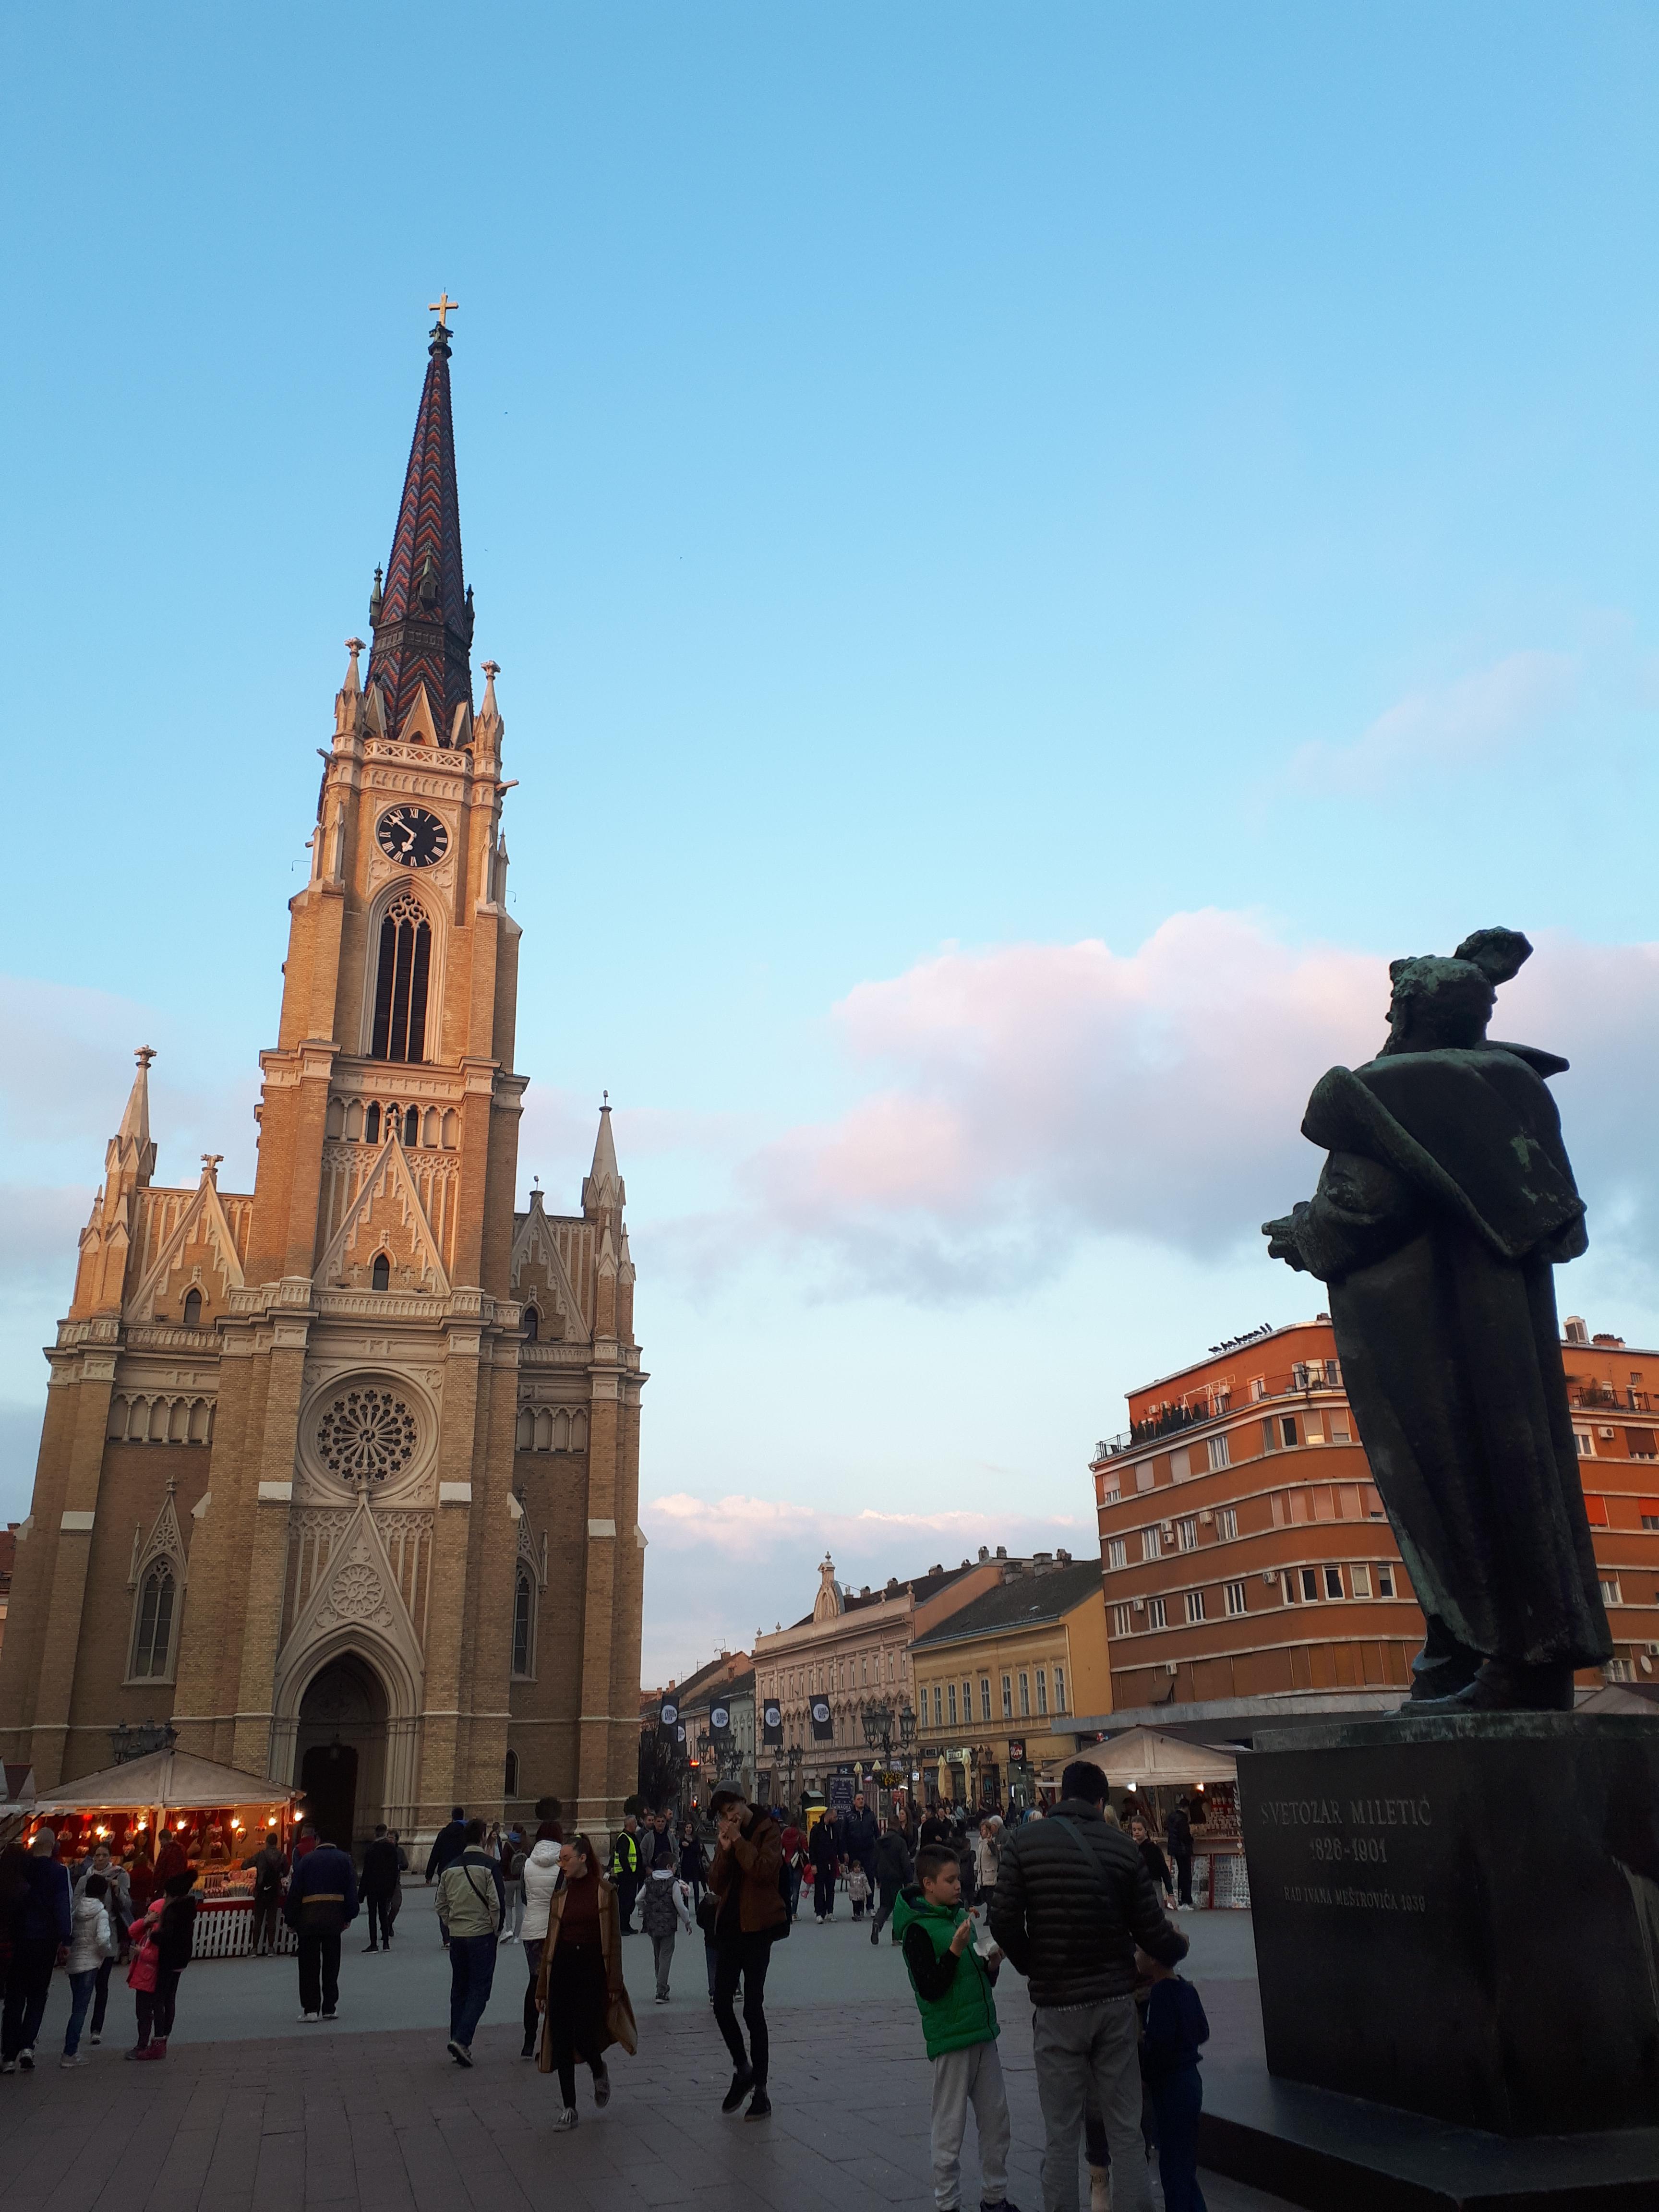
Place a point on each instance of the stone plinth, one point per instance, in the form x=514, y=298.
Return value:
x=1460, y=1918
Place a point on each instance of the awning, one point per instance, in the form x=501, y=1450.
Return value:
x=1147, y=1760
x=174, y=1780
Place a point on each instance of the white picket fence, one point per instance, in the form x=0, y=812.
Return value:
x=225, y=1930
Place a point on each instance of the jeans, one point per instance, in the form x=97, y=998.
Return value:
x=101, y=1998
x=794, y=1891
x=1075, y=2045
x=744, y=1958
x=514, y=1911
x=80, y=1989
x=28, y=1982
x=379, y=1920
x=319, y=1969
x=961, y=2078
x=265, y=1910
x=1183, y=1865
x=155, y=2007
x=471, y=1974
x=662, y=1951
x=1178, y=2099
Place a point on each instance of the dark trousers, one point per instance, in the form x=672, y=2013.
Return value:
x=265, y=1910
x=576, y=1996
x=794, y=1891
x=100, y=1995
x=532, y=2019
x=1177, y=2101
x=155, y=2007
x=319, y=1969
x=472, y=1977
x=379, y=1920
x=744, y=1958
x=627, y=1888
x=1184, y=1863
x=889, y=1898
x=824, y=1893
x=28, y=1982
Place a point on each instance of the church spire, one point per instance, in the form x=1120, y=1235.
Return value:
x=604, y=1186
x=422, y=612
x=132, y=1155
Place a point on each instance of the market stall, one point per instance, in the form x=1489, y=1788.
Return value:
x=1152, y=1771
x=214, y=1815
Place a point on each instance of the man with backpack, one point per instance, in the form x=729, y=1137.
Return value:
x=1072, y=1900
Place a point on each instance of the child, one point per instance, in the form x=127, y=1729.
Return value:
x=665, y=1909
x=90, y=1944
x=1175, y=2026
x=953, y=1987
x=857, y=1889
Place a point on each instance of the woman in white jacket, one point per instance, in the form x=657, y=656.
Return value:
x=539, y=1875
x=90, y=1943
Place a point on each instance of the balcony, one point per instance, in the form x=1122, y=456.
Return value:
x=1174, y=1420
x=1587, y=1396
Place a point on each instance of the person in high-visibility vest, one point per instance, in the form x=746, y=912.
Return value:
x=625, y=1861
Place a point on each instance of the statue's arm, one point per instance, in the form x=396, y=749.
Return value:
x=1360, y=1212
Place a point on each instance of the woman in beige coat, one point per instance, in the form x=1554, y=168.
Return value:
x=578, y=1985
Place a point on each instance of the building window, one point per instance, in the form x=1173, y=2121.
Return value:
x=192, y=1309
x=1288, y=1585
x=1226, y=1524
x=1269, y=1436
x=1217, y=1453
x=523, y=1617
x=532, y=1325
x=985, y=1697
x=1359, y=1578
x=1619, y=1670
x=1310, y=1584
x=1143, y=1475
x=1641, y=1444
x=1385, y=1579
x=939, y=1706
x=1025, y=1697
x=405, y=963
x=1151, y=1544
x=1043, y=1689
x=1117, y=1552
x=1258, y=1388
x=1007, y=1697
x=1287, y=1428
x=510, y=1776
x=1155, y=1618
x=1181, y=1465
x=1122, y=1623
x=1187, y=1536
x=372, y=1126
x=1060, y=1689
x=1340, y=1432
x=967, y=1705
x=1298, y=1375
x=1194, y=1605
x=1610, y=1592
x=152, y=1630
x=1332, y=1581
x=953, y=1704
x=1581, y=1443
x=1332, y=1376
x=1234, y=1598
x=1651, y=1521
x=380, y=1274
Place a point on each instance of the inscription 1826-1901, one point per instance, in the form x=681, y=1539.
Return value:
x=1318, y=1833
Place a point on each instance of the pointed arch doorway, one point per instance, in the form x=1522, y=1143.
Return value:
x=340, y=1749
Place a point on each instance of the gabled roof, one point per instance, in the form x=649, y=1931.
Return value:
x=1027, y=1601
x=921, y=1586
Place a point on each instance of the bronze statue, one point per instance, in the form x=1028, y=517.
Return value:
x=1447, y=1199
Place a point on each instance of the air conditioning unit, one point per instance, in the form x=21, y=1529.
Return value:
x=1138, y=1605
x=1606, y=1433
x=1168, y=1528
x=1270, y=1574
x=1207, y=1517
x=1653, y=1651
x=1169, y=1666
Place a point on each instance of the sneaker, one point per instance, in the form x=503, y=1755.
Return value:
x=601, y=2086
x=875, y=1935
x=742, y=2082
x=159, y=2048
x=7, y=2065
x=529, y=2051
x=26, y=2059
x=368, y=1947
x=71, y=2058
x=329, y=2013
x=460, y=2052
x=566, y=2121
x=309, y=2019
x=95, y=2040
x=760, y=2107
x=149, y=2051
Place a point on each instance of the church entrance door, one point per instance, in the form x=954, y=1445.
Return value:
x=340, y=1749
x=329, y=1778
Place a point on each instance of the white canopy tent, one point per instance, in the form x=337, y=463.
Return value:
x=1145, y=1759
x=163, y=1782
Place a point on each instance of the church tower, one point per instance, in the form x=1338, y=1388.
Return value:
x=388, y=1546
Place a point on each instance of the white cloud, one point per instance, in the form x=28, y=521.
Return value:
x=1451, y=725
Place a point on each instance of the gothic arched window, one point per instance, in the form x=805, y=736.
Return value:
x=152, y=1623
x=372, y=1126
x=412, y=1126
x=192, y=1309
x=523, y=1620
x=400, y=983
x=380, y=1276
x=532, y=1325
x=510, y=1779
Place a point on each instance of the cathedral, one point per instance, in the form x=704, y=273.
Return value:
x=340, y=1478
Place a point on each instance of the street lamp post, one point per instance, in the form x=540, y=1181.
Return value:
x=879, y=1720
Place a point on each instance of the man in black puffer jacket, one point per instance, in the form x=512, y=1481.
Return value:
x=1072, y=1900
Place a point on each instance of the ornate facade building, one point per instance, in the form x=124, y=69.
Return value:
x=341, y=1477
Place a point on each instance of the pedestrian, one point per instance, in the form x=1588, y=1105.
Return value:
x=826, y=1865
x=751, y=1914
x=894, y=1869
x=41, y=1926
x=858, y=1887
x=986, y=1853
x=1073, y=1900
x=321, y=1906
x=859, y=1834
x=91, y=1946
x=578, y=1987
x=538, y=1881
x=270, y=1874
x=165, y=1938
x=626, y=1859
x=935, y=1829
x=472, y=1906
x=118, y=1901
x=142, y=1884
x=793, y=1843
x=954, y=1988
x=1175, y=2026
x=446, y=1846
x=665, y=1909
x=694, y=1867
x=1156, y=1864
x=379, y=1887
x=965, y=1844
x=171, y=1859
x=513, y=1857
x=1178, y=1835
x=396, y=1905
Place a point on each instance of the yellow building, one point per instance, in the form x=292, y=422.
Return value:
x=999, y=1683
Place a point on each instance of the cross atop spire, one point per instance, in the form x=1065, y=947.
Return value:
x=442, y=307
x=422, y=613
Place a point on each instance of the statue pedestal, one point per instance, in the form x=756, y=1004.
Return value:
x=1460, y=1918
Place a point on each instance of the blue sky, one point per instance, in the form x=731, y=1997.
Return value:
x=1031, y=550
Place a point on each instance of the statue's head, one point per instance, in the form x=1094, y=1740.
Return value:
x=1440, y=1003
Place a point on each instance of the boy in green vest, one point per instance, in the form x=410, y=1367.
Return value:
x=953, y=1987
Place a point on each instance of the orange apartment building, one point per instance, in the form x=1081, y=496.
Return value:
x=1249, y=1571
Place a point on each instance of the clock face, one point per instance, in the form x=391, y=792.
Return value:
x=411, y=836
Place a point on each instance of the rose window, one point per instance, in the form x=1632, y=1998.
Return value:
x=364, y=1436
